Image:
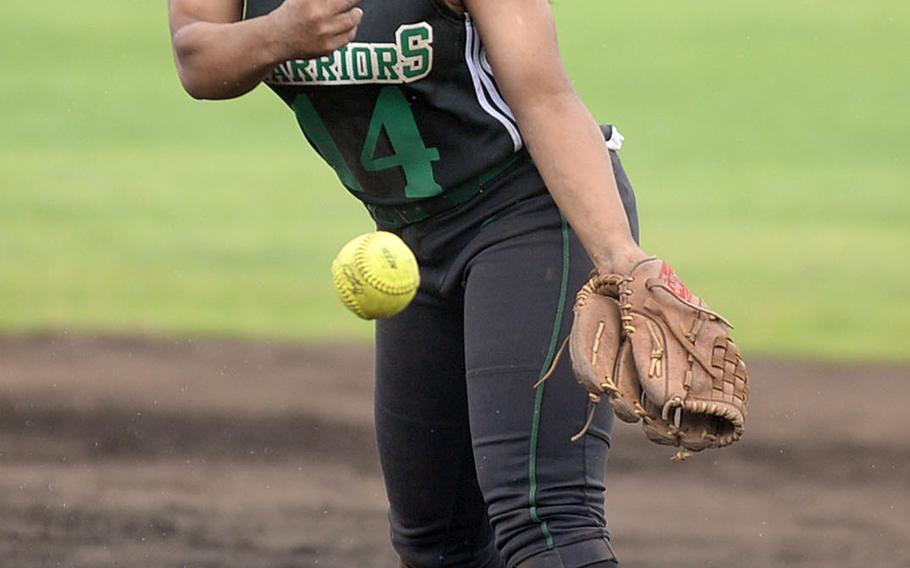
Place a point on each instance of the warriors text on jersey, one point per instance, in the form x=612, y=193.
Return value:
x=409, y=110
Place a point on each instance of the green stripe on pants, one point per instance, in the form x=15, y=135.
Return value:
x=538, y=400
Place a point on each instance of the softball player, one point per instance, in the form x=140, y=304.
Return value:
x=457, y=127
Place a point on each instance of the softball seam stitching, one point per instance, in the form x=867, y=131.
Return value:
x=360, y=261
x=347, y=298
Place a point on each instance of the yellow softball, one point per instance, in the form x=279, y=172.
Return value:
x=376, y=275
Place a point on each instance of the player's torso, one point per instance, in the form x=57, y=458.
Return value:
x=408, y=110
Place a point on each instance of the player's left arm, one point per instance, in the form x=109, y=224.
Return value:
x=561, y=134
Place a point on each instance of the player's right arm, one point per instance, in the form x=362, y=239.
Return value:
x=221, y=56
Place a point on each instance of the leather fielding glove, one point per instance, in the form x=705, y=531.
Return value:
x=660, y=356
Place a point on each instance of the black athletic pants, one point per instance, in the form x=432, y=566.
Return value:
x=478, y=466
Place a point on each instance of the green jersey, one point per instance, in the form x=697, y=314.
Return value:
x=409, y=110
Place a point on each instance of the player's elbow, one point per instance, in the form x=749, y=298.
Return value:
x=202, y=86
x=533, y=92
x=193, y=86
x=191, y=78
x=540, y=107
x=195, y=76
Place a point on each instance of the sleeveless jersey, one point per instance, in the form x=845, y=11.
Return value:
x=409, y=110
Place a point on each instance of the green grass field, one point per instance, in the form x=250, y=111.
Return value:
x=768, y=143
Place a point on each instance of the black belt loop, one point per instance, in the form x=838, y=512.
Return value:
x=403, y=215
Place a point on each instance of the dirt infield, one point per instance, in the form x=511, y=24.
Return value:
x=155, y=453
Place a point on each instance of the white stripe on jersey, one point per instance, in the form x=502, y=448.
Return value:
x=492, y=87
x=484, y=84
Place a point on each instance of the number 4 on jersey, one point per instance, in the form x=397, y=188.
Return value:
x=393, y=114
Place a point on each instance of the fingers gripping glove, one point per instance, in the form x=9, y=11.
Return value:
x=660, y=356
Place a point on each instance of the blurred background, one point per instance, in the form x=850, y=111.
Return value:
x=180, y=387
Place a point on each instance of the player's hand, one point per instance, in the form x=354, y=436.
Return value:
x=619, y=259
x=311, y=28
